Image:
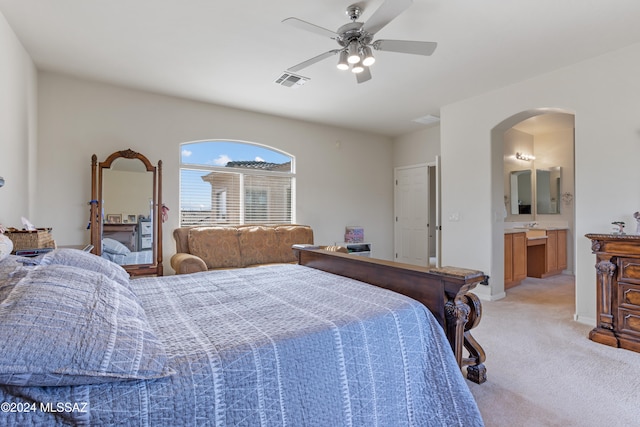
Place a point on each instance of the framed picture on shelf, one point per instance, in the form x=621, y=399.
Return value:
x=114, y=218
x=131, y=219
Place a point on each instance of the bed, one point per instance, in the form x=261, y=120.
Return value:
x=131, y=258
x=270, y=346
x=115, y=251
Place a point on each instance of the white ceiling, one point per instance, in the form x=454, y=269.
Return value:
x=231, y=52
x=546, y=123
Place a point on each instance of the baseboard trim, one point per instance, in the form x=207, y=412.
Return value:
x=585, y=320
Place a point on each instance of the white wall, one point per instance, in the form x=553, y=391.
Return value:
x=417, y=147
x=18, y=86
x=343, y=177
x=604, y=95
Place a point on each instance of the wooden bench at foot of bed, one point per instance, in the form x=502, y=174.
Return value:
x=444, y=291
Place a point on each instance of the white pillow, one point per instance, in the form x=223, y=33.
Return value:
x=6, y=246
x=114, y=247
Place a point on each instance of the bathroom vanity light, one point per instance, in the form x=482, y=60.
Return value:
x=526, y=157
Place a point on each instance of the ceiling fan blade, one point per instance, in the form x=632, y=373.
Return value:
x=312, y=61
x=385, y=14
x=307, y=26
x=405, y=46
x=364, y=76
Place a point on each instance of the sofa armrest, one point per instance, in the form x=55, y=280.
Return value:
x=186, y=263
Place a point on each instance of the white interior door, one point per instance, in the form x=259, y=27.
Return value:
x=436, y=217
x=412, y=215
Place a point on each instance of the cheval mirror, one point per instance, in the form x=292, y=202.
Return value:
x=126, y=214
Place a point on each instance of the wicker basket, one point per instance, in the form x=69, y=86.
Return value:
x=36, y=239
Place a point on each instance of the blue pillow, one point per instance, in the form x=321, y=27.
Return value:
x=88, y=261
x=114, y=247
x=63, y=325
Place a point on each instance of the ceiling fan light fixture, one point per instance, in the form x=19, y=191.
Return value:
x=354, y=53
x=357, y=39
x=367, y=55
x=342, y=62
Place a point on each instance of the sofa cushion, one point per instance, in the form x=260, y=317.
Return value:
x=289, y=235
x=258, y=245
x=217, y=246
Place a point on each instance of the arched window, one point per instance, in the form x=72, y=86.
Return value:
x=232, y=182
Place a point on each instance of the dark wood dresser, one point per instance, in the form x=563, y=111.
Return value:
x=123, y=233
x=618, y=290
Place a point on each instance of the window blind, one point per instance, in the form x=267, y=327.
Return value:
x=219, y=197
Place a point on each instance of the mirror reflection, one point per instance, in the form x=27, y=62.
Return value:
x=521, y=192
x=127, y=203
x=125, y=225
x=548, y=190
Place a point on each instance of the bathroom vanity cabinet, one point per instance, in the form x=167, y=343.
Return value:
x=547, y=256
x=515, y=258
x=536, y=252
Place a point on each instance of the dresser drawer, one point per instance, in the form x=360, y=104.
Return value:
x=629, y=269
x=629, y=322
x=145, y=228
x=145, y=243
x=629, y=296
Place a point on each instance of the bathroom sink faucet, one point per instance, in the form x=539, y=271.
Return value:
x=532, y=224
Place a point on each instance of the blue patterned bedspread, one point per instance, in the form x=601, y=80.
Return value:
x=281, y=345
x=140, y=257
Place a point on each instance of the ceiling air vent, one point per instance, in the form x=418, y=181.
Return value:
x=291, y=80
x=427, y=120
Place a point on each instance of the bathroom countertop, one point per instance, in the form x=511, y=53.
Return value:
x=525, y=229
x=514, y=230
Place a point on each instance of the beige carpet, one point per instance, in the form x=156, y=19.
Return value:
x=542, y=370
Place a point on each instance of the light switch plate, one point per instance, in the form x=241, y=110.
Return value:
x=454, y=216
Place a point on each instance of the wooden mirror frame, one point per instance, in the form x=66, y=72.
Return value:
x=96, y=220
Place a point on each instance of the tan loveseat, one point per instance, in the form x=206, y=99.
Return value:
x=209, y=248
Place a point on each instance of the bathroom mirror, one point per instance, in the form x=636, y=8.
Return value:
x=521, y=192
x=126, y=219
x=548, y=187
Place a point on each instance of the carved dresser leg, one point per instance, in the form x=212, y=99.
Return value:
x=605, y=281
x=605, y=272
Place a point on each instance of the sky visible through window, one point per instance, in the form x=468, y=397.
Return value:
x=220, y=153
x=216, y=153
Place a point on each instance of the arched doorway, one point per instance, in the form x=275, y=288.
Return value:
x=525, y=122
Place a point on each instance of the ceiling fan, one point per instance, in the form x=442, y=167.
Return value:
x=356, y=39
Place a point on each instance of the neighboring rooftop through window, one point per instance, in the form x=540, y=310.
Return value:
x=234, y=154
